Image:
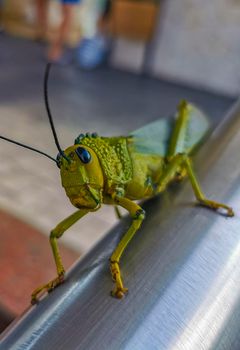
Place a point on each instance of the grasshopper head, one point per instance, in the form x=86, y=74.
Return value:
x=82, y=176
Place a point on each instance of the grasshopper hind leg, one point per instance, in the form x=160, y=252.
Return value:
x=183, y=161
x=199, y=193
x=179, y=162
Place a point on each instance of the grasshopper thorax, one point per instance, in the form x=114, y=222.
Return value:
x=82, y=176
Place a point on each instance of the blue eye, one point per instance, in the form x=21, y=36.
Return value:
x=83, y=155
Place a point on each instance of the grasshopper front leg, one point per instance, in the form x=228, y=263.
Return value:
x=138, y=215
x=56, y=233
x=117, y=212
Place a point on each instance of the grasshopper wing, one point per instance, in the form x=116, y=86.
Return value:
x=168, y=136
x=154, y=137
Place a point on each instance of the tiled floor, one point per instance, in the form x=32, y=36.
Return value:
x=107, y=101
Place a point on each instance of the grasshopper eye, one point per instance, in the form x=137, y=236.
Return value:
x=83, y=155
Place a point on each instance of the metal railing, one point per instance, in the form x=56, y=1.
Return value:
x=182, y=270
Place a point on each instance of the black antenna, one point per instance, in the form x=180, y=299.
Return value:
x=46, y=76
x=28, y=147
x=50, y=120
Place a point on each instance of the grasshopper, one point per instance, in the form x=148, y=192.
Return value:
x=120, y=170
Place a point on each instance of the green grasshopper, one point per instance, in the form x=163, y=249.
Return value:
x=120, y=170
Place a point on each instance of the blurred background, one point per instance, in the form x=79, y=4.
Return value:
x=118, y=65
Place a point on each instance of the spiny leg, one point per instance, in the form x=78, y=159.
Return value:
x=138, y=215
x=181, y=143
x=178, y=157
x=56, y=233
x=198, y=192
x=182, y=160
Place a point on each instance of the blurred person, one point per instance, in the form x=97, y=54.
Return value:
x=93, y=52
x=56, y=49
x=1, y=16
x=104, y=22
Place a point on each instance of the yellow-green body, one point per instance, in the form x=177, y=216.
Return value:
x=119, y=170
x=132, y=165
x=115, y=168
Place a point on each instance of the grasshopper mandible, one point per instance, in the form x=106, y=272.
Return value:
x=119, y=170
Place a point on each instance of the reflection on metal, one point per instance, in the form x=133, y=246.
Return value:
x=182, y=270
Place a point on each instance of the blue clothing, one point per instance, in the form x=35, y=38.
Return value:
x=92, y=52
x=70, y=1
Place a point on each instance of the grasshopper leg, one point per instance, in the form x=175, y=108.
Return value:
x=46, y=287
x=198, y=192
x=56, y=233
x=138, y=215
x=117, y=212
x=182, y=160
x=180, y=163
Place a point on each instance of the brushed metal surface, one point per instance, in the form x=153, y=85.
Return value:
x=182, y=270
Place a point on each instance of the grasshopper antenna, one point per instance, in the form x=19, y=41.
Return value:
x=28, y=147
x=46, y=78
x=50, y=120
